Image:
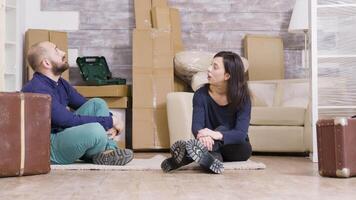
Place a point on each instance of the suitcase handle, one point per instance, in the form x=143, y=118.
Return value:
x=91, y=59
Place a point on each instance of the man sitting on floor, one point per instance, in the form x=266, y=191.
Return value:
x=87, y=133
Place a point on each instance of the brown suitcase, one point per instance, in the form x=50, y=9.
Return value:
x=336, y=140
x=25, y=124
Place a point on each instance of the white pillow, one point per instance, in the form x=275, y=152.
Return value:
x=192, y=66
x=199, y=79
x=295, y=95
x=187, y=63
x=262, y=93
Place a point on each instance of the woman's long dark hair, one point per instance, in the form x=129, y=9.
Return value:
x=237, y=88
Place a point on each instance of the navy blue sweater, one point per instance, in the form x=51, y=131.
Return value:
x=208, y=114
x=63, y=96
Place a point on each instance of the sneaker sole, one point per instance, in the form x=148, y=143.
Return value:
x=200, y=154
x=168, y=165
x=178, y=159
x=115, y=157
x=178, y=151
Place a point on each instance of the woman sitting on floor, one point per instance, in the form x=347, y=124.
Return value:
x=221, y=117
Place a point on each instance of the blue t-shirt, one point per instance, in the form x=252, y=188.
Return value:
x=208, y=114
x=63, y=96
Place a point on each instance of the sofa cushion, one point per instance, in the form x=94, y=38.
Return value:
x=277, y=139
x=279, y=116
x=262, y=93
x=180, y=106
x=295, y=94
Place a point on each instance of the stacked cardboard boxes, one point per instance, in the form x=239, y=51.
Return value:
x=116, y=96
x=265, y=56
x=155, y=40
x=33, y=36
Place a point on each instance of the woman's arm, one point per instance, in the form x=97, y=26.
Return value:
x=198, y=121
x=239, y=133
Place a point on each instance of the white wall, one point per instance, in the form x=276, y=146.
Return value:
x=53, y=20
x=33, y=18
x=2, y=47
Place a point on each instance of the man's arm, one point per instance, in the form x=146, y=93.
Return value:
x=75, y=98
x=61, y=117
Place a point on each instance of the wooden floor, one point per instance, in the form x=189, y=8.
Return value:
x=284, y=178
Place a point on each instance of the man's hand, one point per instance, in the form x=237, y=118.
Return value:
x=118, y=123
x=207, y=132
x=112, y=133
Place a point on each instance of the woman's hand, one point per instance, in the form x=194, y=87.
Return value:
x=207, y=141
x=207, y=132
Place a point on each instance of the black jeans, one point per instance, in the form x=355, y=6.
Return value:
x=231, y=152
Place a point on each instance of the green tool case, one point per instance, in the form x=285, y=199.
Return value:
x=95, y=71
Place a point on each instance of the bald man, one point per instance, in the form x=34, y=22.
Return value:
x=87, y=132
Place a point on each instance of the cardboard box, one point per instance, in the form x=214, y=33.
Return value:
x=143, y=14
x=169, y=19
x=116, y=102
x=152, y=49
x=159, y=3
x=161, y=18
x=150, y=128
x=121, y=138
x=103, y=91
x=34, y=36
x=121, y=144
x=151, y=86
x=265, y=57
x=176, y=30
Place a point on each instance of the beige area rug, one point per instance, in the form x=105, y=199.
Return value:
x=154, y=163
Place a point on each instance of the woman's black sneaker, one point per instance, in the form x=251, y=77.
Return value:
x=179, y=157
x=113, y=157
x=200, y=154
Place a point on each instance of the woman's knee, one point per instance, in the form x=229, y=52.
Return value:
x=237, y=152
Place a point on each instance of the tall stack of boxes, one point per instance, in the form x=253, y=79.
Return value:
x=156, y=39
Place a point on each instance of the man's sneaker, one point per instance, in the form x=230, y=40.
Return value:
x=113, y=157
x=200, y=154
x=179, y=157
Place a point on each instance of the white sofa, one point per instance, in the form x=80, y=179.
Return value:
x=280, y=117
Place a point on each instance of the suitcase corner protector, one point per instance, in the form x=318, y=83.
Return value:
x=340, y=121
x=343, y=173
x=321, y=172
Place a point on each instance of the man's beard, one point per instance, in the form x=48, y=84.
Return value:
x=59, y=68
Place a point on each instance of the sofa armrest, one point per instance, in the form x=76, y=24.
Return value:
x=179, y=112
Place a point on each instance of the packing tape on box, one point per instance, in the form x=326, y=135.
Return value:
x=155, y=128
x=155, y=33
x=22, y=132
x=154, y=90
